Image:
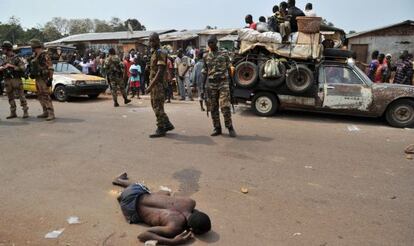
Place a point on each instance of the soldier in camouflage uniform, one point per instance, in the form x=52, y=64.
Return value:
x=41, y=69
x=12, y=71
x=217, y=67
x=157, y=86
x=114, y=70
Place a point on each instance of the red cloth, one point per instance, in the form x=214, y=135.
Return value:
x=127, y=65
x=135, y=84
x=253, y=26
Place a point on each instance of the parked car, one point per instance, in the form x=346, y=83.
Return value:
x=338, y=87
x=68, y=81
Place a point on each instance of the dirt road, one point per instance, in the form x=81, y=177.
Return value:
x=312, y=179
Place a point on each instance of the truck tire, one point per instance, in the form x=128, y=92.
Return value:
x=246, y=74
x=299, y=79
x=265, y=104
x=400, y=114
x=272, y=82
x=339, y=53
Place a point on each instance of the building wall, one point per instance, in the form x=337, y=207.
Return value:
x=203, y=40
x=385, y=44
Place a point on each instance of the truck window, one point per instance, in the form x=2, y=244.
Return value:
x=341, y=75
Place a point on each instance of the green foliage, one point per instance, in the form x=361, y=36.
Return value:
x=60, y=27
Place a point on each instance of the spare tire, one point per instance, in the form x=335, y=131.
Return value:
x=246, y=74
x=272, y=82
x=339, y=53
x=299, y=79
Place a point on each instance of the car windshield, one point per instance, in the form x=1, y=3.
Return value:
x=365, y=77
x=65, y=68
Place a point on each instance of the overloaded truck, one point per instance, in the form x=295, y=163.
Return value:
x=311, y=72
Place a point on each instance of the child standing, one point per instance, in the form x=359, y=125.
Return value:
x=135, y=78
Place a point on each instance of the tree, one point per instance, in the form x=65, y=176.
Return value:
x=102, y=26
x=352, y=32
x=34, y=33
x=51, y=33
x=60, y=24
x=78, y=26
x=12, y=31
x=328, y=23
x=136, y=25
x=117, y=25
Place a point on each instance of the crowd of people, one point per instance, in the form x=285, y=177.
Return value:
x=381, y=68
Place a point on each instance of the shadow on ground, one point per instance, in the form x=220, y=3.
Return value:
x=205, y=140
x=319, y=117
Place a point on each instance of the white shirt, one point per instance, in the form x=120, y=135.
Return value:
x=310, y=13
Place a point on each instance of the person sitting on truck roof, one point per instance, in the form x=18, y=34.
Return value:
x=250, y=23
x=273, y=21
x=283, y=21
x=262, y=25
x=309, y=12
x=294, y=12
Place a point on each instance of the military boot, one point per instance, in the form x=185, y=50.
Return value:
x=232, y=132
x=126, y=100
x=25, y=114
x=169, y=127
x=12, y=115
x=116, y=104
x=159, y=133
x=216, y=132
x=51, y=116
x=202, y=107
x=43, y=116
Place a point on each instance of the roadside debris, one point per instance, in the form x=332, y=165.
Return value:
x=308, y=167
x=54, y=234
x=393, y=198
x=244, y=190
x=124, y=116
x=73, y=220
x=297, y=234
x=151, y=243
x=165, y=188
x=353, y=128
x=410, y=157
x=409, y=149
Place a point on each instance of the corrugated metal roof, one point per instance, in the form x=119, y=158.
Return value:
x=226, y=31
x=85, y=37
x=407, y=22
x=229, y=38
x=180, y=35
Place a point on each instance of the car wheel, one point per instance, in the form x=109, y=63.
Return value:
x=299, y=79
x=265, y=104
x=93, y=96
x=246, y=74
x=401, y=113
x=60, y=93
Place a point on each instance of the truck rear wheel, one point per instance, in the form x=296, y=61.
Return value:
x=299, y=79
x=265, y=104
x=401, y=113
x=246, y=74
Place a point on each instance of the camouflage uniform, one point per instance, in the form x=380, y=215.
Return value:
x=41, y=69
x=216, y=65
x=159, y=58
x=14, y=85
x=114, y=69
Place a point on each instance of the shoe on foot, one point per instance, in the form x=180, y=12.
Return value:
x=50, y=117
x=43, y=116
x=25, y=114
x=169, y=127
x=232, y=132
x=216, y=132
x=11, y=116
x=126, y=101
x=159, y=133
x=116, y=104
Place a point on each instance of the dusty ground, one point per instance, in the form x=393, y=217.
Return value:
x=310, y=180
